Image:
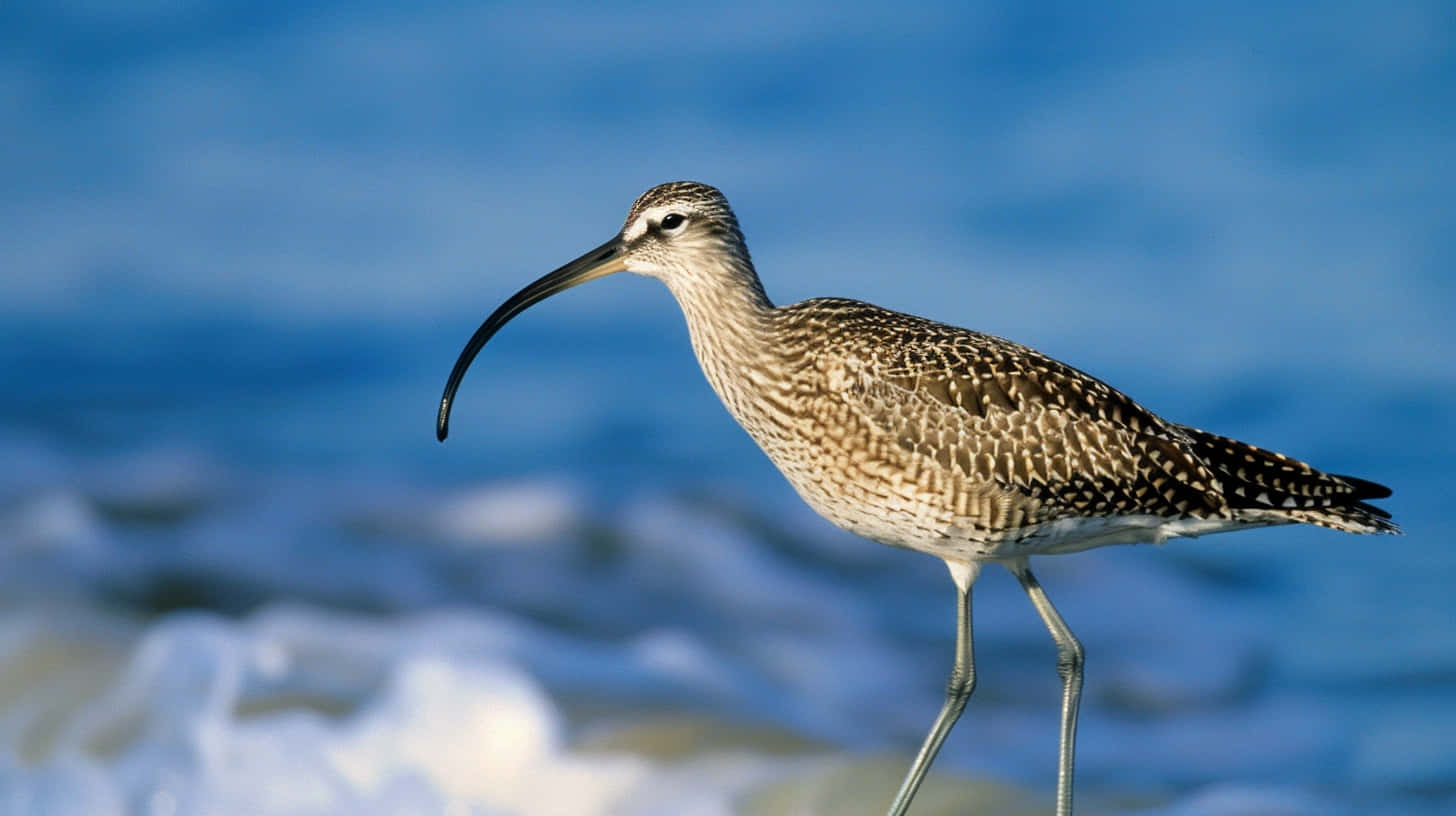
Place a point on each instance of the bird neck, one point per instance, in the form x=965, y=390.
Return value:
x=730, y=320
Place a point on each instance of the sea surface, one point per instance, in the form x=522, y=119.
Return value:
x=243, y=243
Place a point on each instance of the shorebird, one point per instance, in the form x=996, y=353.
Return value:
x=955, y=443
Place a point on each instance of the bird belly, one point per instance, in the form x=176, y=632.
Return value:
x=1074, y=534
x=896, y=513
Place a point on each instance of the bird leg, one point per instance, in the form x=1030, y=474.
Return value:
x=962, y=682
x=1069, y=667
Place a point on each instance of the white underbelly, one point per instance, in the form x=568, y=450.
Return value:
x=925, y=528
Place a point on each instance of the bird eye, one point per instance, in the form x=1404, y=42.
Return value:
x=672, y=221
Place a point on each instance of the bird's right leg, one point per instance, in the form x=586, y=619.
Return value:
x=957, y=690
x=1070, y=658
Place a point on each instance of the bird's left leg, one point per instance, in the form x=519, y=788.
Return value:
x=1069, y=668
x=957, y=691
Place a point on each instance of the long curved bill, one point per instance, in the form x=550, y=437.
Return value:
x=604, y=260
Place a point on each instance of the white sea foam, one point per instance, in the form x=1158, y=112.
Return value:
x=60, y=521
x=212, y=717
x=510, y=513
x=299, y=711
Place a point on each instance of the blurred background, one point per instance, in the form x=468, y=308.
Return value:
x=244, y=242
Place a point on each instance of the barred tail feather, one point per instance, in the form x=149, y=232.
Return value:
x=1358, y=517
x=1264, y=485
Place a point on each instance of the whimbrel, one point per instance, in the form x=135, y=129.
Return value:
x=955, y=443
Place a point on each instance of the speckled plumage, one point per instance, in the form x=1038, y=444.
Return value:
x=927, y=436
x=960, y=444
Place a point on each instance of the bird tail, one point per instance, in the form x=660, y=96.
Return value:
x=1261, y=484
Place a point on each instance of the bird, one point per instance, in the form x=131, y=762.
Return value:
x=952, y=442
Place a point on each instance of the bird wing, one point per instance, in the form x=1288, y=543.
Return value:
x=996, y=412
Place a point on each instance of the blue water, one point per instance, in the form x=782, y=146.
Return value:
x=244, y=244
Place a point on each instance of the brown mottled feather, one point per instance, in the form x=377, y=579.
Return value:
x=927, y=436
x=992, y=416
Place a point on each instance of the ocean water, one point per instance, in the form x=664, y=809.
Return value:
x=245, y=242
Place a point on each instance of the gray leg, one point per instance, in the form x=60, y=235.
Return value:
x=957, y=691
x=1069, y=667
